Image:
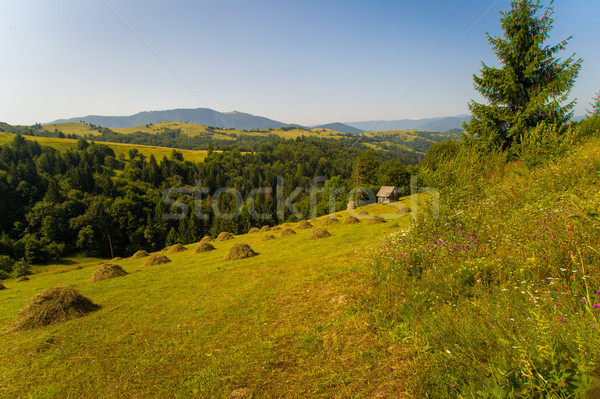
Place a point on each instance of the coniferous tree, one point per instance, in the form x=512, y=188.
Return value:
x=531, y=84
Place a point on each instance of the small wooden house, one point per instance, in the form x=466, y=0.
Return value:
x=387, y=194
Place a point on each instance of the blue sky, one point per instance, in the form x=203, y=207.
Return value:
x=305, y=62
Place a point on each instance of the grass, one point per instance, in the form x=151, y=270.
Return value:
x=499, y=296
x=294, y=321
x=118, y=148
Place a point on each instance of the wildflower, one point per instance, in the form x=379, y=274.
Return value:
x=583, y=300
x=596, y=306
x=598, y=293
x=559, y=303
x=592, y=326
x=563, y=320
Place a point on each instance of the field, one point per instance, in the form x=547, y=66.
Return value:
x=294, y=321
x=118, y=148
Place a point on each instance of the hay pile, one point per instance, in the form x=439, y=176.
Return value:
x=351, y=206
x=329, y=220
x=350, y=220
x=268, y=237
x=376, y=220
x=157, y=260
x=116, y=259
x=56, y=304
x=224, y=236
x=22, y=278
x=176, y=248
x=253, y=230
x=2, y=287
x=206, y=239
x=239, y=251
x=106, y=271
x=204, y=247
x=265, y=228
x=318, y=232
x=276, y=228
x=140, y=254
x=287, y=232
x=403, y=210
x=363, y=213
x=304, y=224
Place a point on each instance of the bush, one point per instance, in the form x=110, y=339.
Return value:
x=21, y=268
x=6, y=266
x=546, y=143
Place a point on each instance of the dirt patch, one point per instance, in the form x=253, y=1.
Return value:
x=318, y=232
x=140, y=254
x=239, y=251
x=157, y=259
x=56, y=304
x=204, y=247
x=176, y=248
x=224, y=236
x=106, y=271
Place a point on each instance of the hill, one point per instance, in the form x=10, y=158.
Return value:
x=339, y=127
x=295, y=320
x=200, y=116
x=442, y=124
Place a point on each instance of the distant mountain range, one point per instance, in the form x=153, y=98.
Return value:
x=200, y=116
x=429, y=124
x=241, y=120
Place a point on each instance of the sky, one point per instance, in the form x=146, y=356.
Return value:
x=306, y=62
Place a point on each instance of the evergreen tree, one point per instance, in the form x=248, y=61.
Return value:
x=595, y=104
x=532, y=83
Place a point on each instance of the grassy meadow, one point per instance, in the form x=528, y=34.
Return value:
x=295, y=321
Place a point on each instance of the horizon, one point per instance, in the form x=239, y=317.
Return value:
x=309, y=63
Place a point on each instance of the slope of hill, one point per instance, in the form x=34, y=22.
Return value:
x=339, y=127
x=200, y=116
x=442, y=124
x=295, y=320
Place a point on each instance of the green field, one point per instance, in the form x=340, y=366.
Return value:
x=118, y=148
x=294, y=321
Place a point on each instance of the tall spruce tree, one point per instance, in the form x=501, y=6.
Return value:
x=531, y=85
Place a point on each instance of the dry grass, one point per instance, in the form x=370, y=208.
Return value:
x=287, y=232
x=318, y=232
x=239, y=251
x=375, y=220
x=206, y=239
x=268, y=237
x=350, y=220
x=157, y=260
x=224, y=236
x=265, y=228
x=204, y=247
x=176, y=248
x=329, y=220
x=56, y=304
x=106, y=271
x=276, y=228
x=253, y=230
x=304, y=224
x=140, y=254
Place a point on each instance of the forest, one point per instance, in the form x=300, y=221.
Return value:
x=88, y=201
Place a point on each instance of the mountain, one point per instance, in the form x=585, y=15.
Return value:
x=429, y=124
x=339, y=127
x=200, y=116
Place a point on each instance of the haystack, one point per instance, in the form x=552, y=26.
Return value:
x=276, y=228
x=351, y=206
x=206, y=239
x=265, y=228
x=376, y=219
x=329, y=220
x=56, y=304
x=204, y=247
x=239, y=251
x=253, y=230
x=224, y=236
x=287, y=232
x=116, y=259
x=106, y=271
x=268, y=237
x=22, y=278
x=304, y=224
x=157, y=260
x=403, y=210
x=318, y=232
x=140, y=254
x=363, y=213
x=2, y=287
x=350, y=220
x=176, y=248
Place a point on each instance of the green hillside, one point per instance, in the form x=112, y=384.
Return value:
x=294, y=320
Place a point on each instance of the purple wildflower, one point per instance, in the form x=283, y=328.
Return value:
x=596, y=306
x=583, y=300
x=563, y=320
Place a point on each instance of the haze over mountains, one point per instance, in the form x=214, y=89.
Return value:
x=241, y=120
